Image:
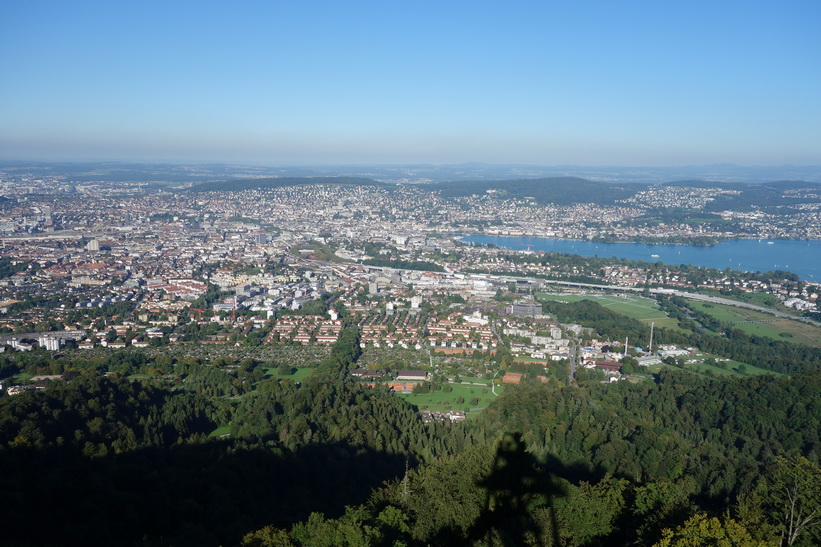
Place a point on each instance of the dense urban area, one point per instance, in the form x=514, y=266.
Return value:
x=327, y=361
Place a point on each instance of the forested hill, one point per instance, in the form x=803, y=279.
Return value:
x=746, y=196
x=572, y=190
x=778, y=185
x=329, y=461
x=558, y=190
x=269, y=183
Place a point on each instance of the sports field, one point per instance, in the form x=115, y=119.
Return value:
x=637, y=307
x=770, y=326
x=443, y=401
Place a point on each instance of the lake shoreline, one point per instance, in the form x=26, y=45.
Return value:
x=746, y=255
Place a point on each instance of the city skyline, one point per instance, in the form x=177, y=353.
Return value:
x=544, y=84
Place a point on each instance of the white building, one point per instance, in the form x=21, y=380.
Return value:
x=51, y=343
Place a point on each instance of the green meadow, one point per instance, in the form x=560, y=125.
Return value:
x=221, y=431
x=300, y=374
x=443, y=401
x=637, y=307
x=779, y=329
x=726, y=368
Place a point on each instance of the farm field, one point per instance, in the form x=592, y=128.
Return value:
x=637, y=307
x=779, y=329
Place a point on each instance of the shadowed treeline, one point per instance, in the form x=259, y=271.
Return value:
x=197, y=494
x=515, y=485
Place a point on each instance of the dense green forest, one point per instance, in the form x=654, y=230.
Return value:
x=150, y=448
x=332, y=462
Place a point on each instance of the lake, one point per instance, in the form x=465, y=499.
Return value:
x=751, y=255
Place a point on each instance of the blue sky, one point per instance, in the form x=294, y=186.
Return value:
x=552, y=82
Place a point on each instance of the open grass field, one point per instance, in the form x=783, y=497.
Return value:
x=637, y=307
x=730, y=313
x=759, y=299
x=138, y=376
x=221, y=431
x=778, y=329
x=443, y=401
x=300, y=374
x=717, y=370
x=731, y=370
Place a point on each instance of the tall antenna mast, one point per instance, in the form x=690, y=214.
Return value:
x=653, y=324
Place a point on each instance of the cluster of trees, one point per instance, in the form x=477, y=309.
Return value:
x=605, y=322
x=8, y=267
x=639, y=465
x=207, y=299
x=119, y=462
x=99, y=416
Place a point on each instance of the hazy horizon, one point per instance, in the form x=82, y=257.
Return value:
x=546, y=84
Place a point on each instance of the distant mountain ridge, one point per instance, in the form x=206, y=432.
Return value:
x=776, y=184
x=280, y=182
x=414, y=173
x=557, y=190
